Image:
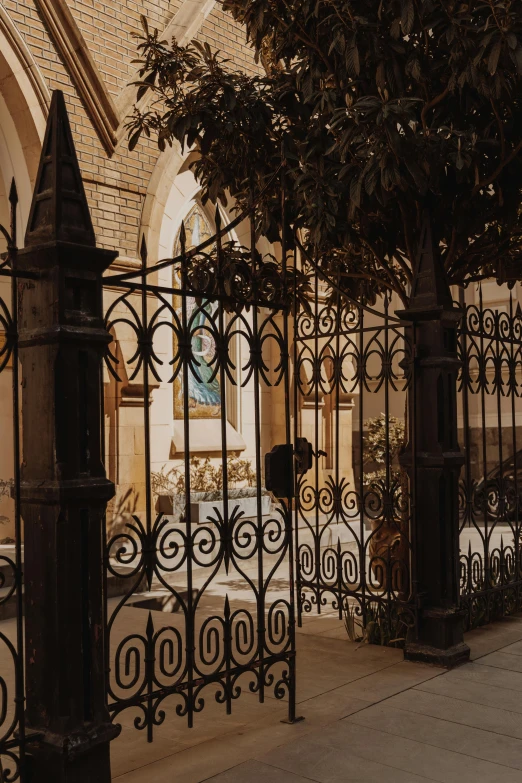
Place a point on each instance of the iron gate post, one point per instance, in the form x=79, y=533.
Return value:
x=64, y=489
x=433, y=460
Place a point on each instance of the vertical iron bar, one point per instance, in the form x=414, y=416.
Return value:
x=468, y=512
x=146, y=357
x=501, y=491
x=337, y=391
x=388, y=505
x=19, y=686
x=483, y=385
x=414, y=586
x=512, y=394
x=292, y=696
x=255, y=347
x=227, y=526
x=363, y=545
x=297, y=414
x=186, y=353
x=316, y=379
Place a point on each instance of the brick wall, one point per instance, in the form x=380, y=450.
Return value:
x=116, y=186
x=223, y=34
x=108, y=26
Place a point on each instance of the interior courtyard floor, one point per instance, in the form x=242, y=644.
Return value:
x=369, y=717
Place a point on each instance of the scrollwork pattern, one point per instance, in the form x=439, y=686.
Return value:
x=211, y=646
x=354, y=546
x=490, y=487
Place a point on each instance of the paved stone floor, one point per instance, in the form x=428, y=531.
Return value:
x=370, y=717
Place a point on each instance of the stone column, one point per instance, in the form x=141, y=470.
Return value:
x=314, y=435
x=433, y=460
x=64, y=490
x=346, y=406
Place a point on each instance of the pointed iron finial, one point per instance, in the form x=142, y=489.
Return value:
x=13, y=201
x=13, y=193
x=144, y=253
x=59, y=211
x=430, y=289
x=149, y=630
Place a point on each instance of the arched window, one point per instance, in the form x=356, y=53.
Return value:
x=204, y=390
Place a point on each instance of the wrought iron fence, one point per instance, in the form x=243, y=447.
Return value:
x=353, y=370
x=209, y=559
x=213, y=555
x=490, y=389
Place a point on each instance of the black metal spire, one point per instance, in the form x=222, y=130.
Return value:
x=430, y=289
x=59, y=211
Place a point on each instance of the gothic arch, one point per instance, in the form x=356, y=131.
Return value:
x=171, y=193
x=24, y=104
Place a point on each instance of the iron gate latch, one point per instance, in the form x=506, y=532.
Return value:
x=303, y=456
x=280, y=469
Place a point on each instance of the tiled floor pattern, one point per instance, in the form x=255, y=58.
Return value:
x=370, y=717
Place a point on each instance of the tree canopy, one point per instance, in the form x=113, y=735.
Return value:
x=375, y=110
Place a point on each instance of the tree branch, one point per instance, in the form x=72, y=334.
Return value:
x=396, y=286
x=431, y=105
x=489, y=180
x=500, y=129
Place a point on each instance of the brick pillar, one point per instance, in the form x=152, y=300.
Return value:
x=433, y=460
x=64, y=490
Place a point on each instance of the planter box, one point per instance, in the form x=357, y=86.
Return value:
x=205, y=506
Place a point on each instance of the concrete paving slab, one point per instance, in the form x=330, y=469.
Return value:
x=502, y=660
x=495, y=719
x=331, y=765
x=475, y=692
x=256, y=772
x=442, y=733
x=389, y=681
x=434, y=763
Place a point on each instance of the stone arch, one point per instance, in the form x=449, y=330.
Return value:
x=172, y=194
x=172, y=188
x=155, y=214
x=24, y=104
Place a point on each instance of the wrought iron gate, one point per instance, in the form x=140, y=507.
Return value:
x=199, y=589
x=198, y=328
x=353, y=370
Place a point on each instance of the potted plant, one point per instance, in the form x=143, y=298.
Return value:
x=385, y=489
x=206, y=490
